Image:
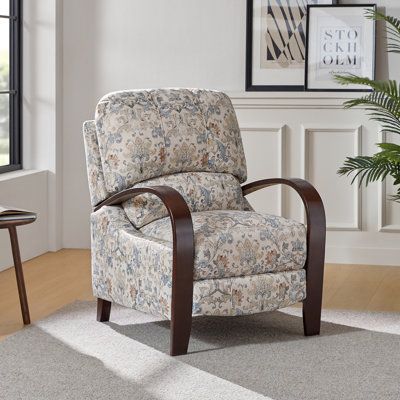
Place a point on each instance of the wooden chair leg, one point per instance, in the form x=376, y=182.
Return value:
x=181, y=326
x=103, y=310
x=19, y=275
x=312, y=305
x=311, y=318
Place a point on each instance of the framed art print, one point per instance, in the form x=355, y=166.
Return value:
x=276, y=43
x=340, y=40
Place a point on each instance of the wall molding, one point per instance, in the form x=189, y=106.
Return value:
x=280, y=131
x=296, y=101
x=357, y=132
x=383, y=225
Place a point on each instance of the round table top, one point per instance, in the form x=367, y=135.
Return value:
x=16, y=220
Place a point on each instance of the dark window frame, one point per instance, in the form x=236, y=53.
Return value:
x=15, y=86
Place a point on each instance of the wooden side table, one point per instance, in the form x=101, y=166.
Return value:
x=11, y=224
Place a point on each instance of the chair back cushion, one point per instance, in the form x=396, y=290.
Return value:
x=145, y=134
x=202, y=191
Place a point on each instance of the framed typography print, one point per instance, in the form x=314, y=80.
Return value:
x=340, y=40
x=276, y=43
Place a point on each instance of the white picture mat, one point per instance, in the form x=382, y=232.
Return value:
x=339, y=17
x=270, y=76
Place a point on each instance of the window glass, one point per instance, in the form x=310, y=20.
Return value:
x=10, y=86
x=4, y=85
x=4, y=130
x=4, y=53
x=4, y=7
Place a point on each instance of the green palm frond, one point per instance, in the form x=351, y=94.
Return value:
x=391, y=88
x=392, y=29
x=383, y=106
x=368, y=169
x=390, y=152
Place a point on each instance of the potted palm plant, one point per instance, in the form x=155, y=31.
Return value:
x=383, y=106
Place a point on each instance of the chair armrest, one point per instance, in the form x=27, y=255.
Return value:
x=183, y=241
x=316, y=232
x=316, y=223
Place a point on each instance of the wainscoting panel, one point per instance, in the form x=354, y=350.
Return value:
x=324, y=149
x=309, y=135
x=264, y=149
x=388, y=211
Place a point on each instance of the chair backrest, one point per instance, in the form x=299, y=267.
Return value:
x=143, y=134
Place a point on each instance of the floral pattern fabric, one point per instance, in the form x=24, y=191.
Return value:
x=201, y=190
x=238, y=243
x=245, y=262
x=249, y=294
x=97, y=188
x=134, y=270
x=150, y=133
x=127, y=267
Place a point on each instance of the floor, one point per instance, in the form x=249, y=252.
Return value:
x=56, y=279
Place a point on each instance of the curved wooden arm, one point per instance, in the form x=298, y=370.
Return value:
x=316, y=233
x=183, y=257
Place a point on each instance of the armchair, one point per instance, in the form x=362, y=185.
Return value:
x=172, y=233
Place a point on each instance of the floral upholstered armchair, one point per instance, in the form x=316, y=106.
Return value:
x=172, y=231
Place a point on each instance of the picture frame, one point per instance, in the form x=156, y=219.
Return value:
x=275, y=44
x=340, y=39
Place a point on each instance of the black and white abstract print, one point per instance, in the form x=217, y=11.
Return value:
x=283, y=28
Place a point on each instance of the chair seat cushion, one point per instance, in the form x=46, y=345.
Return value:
x=239, y=243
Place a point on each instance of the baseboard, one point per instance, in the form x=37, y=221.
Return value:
x=363, y=255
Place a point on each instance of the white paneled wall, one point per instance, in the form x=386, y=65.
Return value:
x=389, y=211
x=266, y=146
x=309, y=136
x=324, y=149
x=155, y=43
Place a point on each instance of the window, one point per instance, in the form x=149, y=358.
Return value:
x=10, y=85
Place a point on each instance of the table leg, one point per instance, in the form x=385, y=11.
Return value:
x=20, y=275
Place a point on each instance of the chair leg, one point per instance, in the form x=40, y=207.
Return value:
x=19, y=273
x=181, y=325
x=311, y=318
x=103, y=310
x=312, y=305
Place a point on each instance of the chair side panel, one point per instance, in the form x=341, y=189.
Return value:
x=97, y=187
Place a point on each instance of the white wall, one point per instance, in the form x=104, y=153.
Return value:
x=134, y=44
x=309, y=137
x=29, y=191
x=77, y=50
x=120, y=44
x=42, y=133
x=38, y=191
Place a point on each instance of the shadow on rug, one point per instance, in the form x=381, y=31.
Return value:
x=42, y=367
x=260, y=357
x=267, y=353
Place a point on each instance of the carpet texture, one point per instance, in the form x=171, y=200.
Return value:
x=71, y=356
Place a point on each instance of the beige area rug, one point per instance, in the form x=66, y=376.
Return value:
x=71, y=356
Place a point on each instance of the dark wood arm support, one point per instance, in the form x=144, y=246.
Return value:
x=183, y=258
x=316, y=232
